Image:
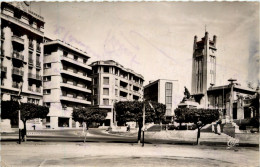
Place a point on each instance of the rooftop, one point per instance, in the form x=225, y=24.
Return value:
x=66, y=45
x=114, y=63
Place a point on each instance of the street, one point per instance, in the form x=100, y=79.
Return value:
x=122, y=154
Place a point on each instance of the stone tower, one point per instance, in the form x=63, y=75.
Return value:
x=203, y=68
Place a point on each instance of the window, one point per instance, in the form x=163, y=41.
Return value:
x=47, y=78
x=116, y=92
x=84, y=61
x=106, y=80
x=76, y=57
x=168, y=97
x=106, y=69
x=116, y=82
x=46, y=91
x=47, y=65
x=95, y=80
x=105, y=101
x=105, y=91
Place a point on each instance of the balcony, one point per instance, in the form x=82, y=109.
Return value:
x=21, y=24
x=35, y=77
x=3, y=69
x=30, y=88
x=2, y=35
x=30, y=61
x=17, y=71
x=38, y=64
x=31, y=45
x=17, y=39
x=38, y=90
x=75, y=62
x=75, y=87
x=18, y=56
x=74, y=100
x=38, y=48
x=2, y=52
x=75, y=74
x=15, y=85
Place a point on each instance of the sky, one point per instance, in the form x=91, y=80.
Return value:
x=155, y=39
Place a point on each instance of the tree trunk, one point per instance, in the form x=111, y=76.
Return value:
x=198, y=135
x=86, y=132
x=24, y=131
x=139, y=132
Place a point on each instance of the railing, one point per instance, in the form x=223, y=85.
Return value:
x=18, y=56
x=4, y=69
x=15, y=85
x=2, y=52
x=18, y=39
x=38, y=77
x=30, y=60
x=30, y=88
x=19, y=21
x=38, y=90
x=30, y=45
x=33, y=76
x=2, y=35
x=38, y=48
x=17, y=71
x=38, y=64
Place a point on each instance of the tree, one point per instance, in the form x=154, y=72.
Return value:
x=200, y=117
x=28, y=111
x=89, y=115
x=8, y=109
x=32, y=111
x=127, y=111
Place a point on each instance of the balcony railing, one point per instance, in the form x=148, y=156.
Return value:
x=38, y=48
x=17, y=39
x=30, y=60
x=38, y=64
x=74, y=99
x=17, y=71
x=33, y=76
x=3, y=69
x=18, y=56
x=75, y=74
x=15, y=85
x=75, y=62
x=30, y=45
x=30, y=88
x=75, y=87
x=2, y=52
x=38, y=90
x=2, y=35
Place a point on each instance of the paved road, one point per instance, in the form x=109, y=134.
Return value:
x=116, y=154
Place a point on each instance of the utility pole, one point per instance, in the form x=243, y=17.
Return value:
x=143, y=121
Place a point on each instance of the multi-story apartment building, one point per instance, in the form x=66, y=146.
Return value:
x=111, y=83
x=66, y=82
x=163, y=91
x=21, y=53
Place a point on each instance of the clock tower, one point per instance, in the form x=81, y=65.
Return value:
x=203, y=68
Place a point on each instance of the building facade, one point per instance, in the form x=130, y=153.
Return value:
x=233, y=100
x=66, y=82
x=22, y=34
x=203, y=67
x=163, y=91
x=111, y=83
